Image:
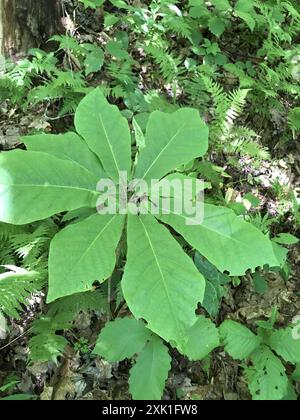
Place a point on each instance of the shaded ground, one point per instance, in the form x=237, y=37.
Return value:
x=82, y=376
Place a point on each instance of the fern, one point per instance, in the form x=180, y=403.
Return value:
x=18, y=78
x=227, y=108
x=219, y=97
x=121, y=72
x=31, y=246
x=39, y=79
x=68, y=79
x=178, y=25
x=64, y=86
x=67, y=43
x=23, y=256
x=237, y=102
x=255, y=150
x=42, y=63
x=8, y=89
x=7, y=232
x=195, y=92
x=69, y=102
x=169, y=66
x=263, y=223
x=225, y=134
x=16, y=285
x=47, y=344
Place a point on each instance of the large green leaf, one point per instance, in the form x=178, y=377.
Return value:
x=94, y=58
x=171, y=140
x=68, y=146
x=221, y=5
x=267, y=379
x=245, y=10
x=106, y=132
x=217, y=25
x=36, y=185
x=83, y=253
x=172, y=185
x=286, y=343
x=238, y=340
x=149, y=374
x=226, y=240
x=46, y=347
x=121, y=339
x=203, y=337
x=160, y=283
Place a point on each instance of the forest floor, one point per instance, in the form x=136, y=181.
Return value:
x=79, y=375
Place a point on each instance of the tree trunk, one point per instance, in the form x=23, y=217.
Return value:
x=27, y=23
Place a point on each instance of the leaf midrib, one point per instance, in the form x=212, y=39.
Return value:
x=49, y=186
x=108, y=142
x=162, y=275
x=93, y=242
x=70, y=159
x=216, y=232
x=163, y=150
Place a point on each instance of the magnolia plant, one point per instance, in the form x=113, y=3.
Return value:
x=161, y=285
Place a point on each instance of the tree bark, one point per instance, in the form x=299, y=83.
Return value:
x=27, y=23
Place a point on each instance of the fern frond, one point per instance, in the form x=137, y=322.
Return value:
x=121, y=72
x=42, y=63
x=195, y=91
x=254, y=150
x=237, y=102
x=170, y=66
x=70, y=102
x=227, y=106
x=178, y=25
x=23, y=255
x=46, y=345
x=30, y=246
x=67, y=43
x=16, y=285
x=68, y=79
x=262, y=223
x=219, y=97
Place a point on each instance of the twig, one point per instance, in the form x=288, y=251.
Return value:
x=15, y=339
